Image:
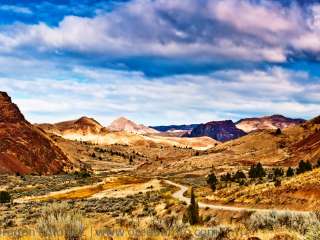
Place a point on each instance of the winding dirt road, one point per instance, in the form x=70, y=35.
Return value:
x=180, y=196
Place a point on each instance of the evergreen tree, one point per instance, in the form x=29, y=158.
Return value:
x=4, y=197
x=226, y=177
x=212, y=181
x=304, y=167
x=290, y=172
x=257, y=171
x=318, y=163
x=238, y=176
x=278, y=172
x=278, y=132
x=308, y=166
x=192, y=213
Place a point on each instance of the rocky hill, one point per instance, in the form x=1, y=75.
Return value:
x=219, y=130
x=83, y=126
x=267, y=122
x=126, y=125
x=23, y=147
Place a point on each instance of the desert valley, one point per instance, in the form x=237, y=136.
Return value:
x=254, y=179
x=160, y=120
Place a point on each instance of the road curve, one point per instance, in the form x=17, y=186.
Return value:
x=182, y=189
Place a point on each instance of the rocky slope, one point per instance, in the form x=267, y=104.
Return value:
x=23, y=147
x=219, y=130
x=124, y=124
x=267, y=122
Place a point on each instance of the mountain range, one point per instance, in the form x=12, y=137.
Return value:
x=27, y=148
x=228, y=130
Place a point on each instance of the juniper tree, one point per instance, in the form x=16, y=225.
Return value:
x=4, y=197
x=290, y=172
x=192, y=213
x=212, y=181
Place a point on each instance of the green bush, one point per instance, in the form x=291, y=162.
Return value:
x=4, y=197
x=257, y=171
x=290, y=172
x=212, y=181
x=304, y=167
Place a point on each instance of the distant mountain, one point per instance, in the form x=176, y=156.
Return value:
x=82, y=126
x=218, y=130
x=267, y=122
x=176, y=128
x=126, y=125
x=24, y=148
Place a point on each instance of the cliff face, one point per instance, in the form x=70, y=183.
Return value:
x=267, y=122
x=23, y=147
x=218, y=130
x=9, y=112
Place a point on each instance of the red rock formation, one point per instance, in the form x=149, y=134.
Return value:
x=23, y=147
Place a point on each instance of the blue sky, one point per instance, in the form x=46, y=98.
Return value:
x=161, y=61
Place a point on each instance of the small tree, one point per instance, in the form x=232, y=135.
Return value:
x=212, y=181
x=4, y=197
x=278, y=172
x=257, y=171
x=192, y=213
x=226, y=177
x=318, y=163
x=278, y=131
x=304, y=167
x=290, y=172
x=308, y=166
x=239, y=175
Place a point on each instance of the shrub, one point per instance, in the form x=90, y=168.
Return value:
x=4, y=197
x=56, y=221
x=277, y=183
x=290, y=172
x=226, y=177
x=278, y=172
x=212, y=181
x=313, y=233
x=278, y=131
x=239, y=175
x=304, y=167
x=269, y=220
x=257, y=171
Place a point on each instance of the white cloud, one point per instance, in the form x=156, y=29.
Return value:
x=16, y=9
x=255, y=32
x=107, y=94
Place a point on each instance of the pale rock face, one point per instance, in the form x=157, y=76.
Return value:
x=123, y=124
x=267, y=122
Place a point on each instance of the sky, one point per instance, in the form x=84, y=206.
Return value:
x=161, y=62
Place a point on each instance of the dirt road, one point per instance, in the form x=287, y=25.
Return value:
x=180, y=196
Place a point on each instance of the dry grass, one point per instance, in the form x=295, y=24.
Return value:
x=87, y=191
x=301, y=192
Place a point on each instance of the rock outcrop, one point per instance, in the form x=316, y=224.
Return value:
x=219, y=130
